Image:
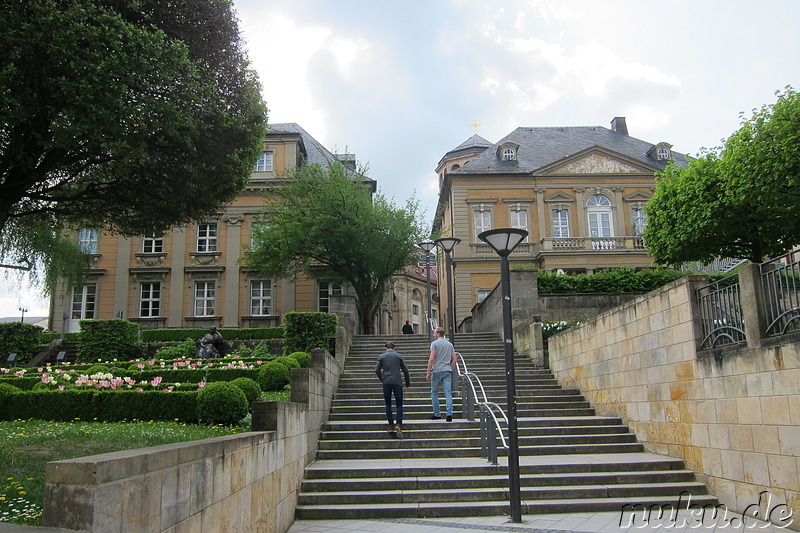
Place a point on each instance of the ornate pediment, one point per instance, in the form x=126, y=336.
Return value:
x=598, y=163
x=559, y=197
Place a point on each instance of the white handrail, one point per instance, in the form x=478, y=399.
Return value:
x=485, y=404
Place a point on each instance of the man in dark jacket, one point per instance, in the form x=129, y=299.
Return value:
x=388, y=369
x=408, y=329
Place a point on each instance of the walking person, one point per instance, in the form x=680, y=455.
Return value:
x=441, y=365
x=388, y=369
x=408, y=329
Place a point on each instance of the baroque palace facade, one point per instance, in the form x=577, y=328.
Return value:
x=578, y=191
x=191, y=276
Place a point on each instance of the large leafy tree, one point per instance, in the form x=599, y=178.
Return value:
x=126, y=115
x=324, y=223
x=740, y=200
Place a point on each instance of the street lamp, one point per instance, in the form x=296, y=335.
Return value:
x=427, y=246
x=447, y=244
x=503, y=241
x=24, y=310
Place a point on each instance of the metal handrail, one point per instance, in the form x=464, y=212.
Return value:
x=488, y=427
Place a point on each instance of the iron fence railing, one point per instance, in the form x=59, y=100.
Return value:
x=490, y=412
x=720, y=310
x=780, y=293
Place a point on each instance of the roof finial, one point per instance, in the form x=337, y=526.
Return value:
x=475, y=126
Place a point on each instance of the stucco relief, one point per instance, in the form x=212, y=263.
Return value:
x=598, y=164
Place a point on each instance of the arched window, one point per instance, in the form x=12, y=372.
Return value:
x=599, y=212
x=509, y=154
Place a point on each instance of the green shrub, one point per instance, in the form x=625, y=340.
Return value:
x=303, y=358
x=6, y=390
x=611, y=280
x=221, y=403
x=96, y=369
x=229, y=334
x=108, y=339
x=262, y=351
x=273, y=376
x=187, y=348
x=289, y=362
x=103, y=405
x=306, y=331
x=21, y=339
x=241, y=351
x=249, y=387
x=134, y=367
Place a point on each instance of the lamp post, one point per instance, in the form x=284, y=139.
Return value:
x=24, y=310
x=447, y=244
x=503, y=241
x=427, y=246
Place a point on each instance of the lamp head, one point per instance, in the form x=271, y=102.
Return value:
x=427, y=246
x=447, y=243
x=503, y=240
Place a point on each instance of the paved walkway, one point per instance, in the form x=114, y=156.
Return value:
x=555, y=523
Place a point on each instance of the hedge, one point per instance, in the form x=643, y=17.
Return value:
x=21, y=339
x=229, y=334
x=108, y=339
x=104, y=406
x=306, y=331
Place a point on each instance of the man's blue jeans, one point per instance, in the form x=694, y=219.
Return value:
x=398, y=398
x=446, y=380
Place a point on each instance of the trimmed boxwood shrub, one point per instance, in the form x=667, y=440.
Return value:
x=187, y=348
x=221, y=403
x=303, y=358
x=249, y=387
x=306, y=331
x=6, y=390
x=289, y=362
x=273, y=376
x=95, y=369
x=21, y=339
x=229, y=334
x=105, y=405
x=108, y=339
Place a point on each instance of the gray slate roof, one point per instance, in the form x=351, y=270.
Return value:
x=315, y=152
x=540, y=147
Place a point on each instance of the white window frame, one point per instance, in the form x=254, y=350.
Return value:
x=266, y=161
x=560, y=221
x=152, y=245
x=482, y=220
x=509, y=154
x=600, y=216
x=88, y=239
x=207, y=234
x=481, y=295
x=205, y=298
x=639, y=220
x=516, y=214
x=150, y=299
x=261, y=297
x=84, y=302
x=663, y=153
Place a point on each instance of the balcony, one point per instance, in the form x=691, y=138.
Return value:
x=592, y=244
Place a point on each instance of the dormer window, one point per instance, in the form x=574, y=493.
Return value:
x=508, y=151
x=661, y=151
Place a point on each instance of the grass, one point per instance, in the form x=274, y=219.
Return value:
x=27, y=445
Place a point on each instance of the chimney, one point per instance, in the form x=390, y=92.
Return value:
x=618, y=124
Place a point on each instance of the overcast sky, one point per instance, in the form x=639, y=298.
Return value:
x=399, y=83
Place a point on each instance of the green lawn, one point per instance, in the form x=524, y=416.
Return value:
x=27, y=445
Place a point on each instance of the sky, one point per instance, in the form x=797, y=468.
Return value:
x=399, y=84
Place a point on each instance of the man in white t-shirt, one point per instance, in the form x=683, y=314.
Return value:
x=441, y=366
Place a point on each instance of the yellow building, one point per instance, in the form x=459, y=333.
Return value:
x=191, y=276
x=578, y=191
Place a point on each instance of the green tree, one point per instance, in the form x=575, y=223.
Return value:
x=127, y=115
x=739, y=200
x=325, y=224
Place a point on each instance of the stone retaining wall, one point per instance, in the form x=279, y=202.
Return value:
x=732, y=415
x=242, y=483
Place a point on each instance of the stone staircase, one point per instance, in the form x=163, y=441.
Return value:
x=570, y=459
